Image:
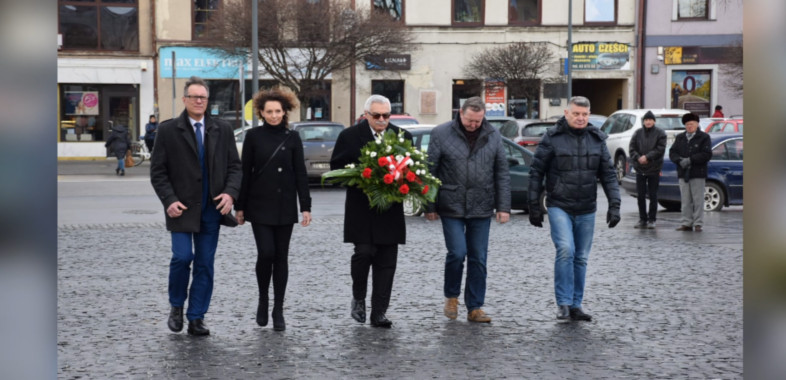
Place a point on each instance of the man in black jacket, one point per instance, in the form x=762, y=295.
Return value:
x=691, y=152
x=572, y=156
x=647, y=147
x=196, y=175
x=376, y=234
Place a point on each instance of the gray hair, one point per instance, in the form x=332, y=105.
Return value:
x=376, y=99
x=475, y=103
x=195, y=80
x=579, y=101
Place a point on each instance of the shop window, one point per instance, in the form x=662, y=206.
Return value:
x=393, y=7
x=393, y=90
x=692, y=9
x=524, y=12
x=95, y=25
x=88, y=112
x=468, y=12
x=600, y=12
x=205, y=14
x=464, y=89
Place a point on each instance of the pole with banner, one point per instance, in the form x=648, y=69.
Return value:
x=174, y=94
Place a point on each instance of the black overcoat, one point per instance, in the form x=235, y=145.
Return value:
x=176, y=174
x=361, y=223
x=269, y=194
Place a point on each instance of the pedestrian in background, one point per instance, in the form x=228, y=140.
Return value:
x=647, y=148
x=571, y=158
x=274, y=180
x=118, y=144
x=467, y=155
x=196, y=175
x=376, y=234
x=718, y=112
x=150, y=133
x=691, y=152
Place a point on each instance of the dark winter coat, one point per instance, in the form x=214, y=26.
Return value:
x=699, y=150
x=118, y=141
x=176, y=173
x=650, y=142
x=571, y=164
x=150, y=131
x=475, y=182
x=363, y=224
x=270, y=195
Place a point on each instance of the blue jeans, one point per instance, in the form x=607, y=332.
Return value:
x=203, y=255
x=572, y=236
x=466, y=237
x=121, y=163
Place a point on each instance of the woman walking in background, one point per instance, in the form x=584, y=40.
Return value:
x=118, y=143
x=274, y=180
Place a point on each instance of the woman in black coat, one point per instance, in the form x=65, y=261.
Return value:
x=274, y=180
x=118, y=143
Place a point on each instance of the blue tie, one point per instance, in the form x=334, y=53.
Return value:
x=201, y=145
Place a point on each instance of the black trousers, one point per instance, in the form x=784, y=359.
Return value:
x=272, y=258
x=647, y=185
x=382, y=258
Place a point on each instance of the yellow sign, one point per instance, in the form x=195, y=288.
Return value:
x=248, y=110
x=672, y=55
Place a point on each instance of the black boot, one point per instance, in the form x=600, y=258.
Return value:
x=262, y=312
x=278, y=316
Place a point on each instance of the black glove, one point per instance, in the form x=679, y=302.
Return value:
x=685, y=162
x=613, y=216
x=536, y=216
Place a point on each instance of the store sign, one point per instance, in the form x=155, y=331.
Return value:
x=394, y=62
x=81, y=103
x=690, y=90
x=196, y=61
x=682, y=55
x=495, y=97
x=600, y=56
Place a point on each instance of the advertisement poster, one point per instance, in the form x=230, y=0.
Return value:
x=81, y=103
x=495, y=97
x=690, y=90
x=600, y=56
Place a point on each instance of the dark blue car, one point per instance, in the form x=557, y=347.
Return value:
x=724, y=176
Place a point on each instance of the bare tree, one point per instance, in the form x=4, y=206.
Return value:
x=301, y=42
x=520, y=65
x=732, y=72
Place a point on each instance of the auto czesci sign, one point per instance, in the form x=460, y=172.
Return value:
x=600, y=56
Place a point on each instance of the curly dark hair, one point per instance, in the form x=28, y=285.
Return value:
x=282, y=95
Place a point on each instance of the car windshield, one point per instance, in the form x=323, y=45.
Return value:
x=319, y=132
x=403, y=121
x=536, y=130
x=669, y=123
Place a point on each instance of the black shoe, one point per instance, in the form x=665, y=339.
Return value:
x=117, y=171
x=175, y=322
x=380, y=320
x=641, y=224
x=563, y=312
x=278, y=318
x=262, y=312
x=122, y=173
x=577, y=314
x=359, y=310
x=197, y=327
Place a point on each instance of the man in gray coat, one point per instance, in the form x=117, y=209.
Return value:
x=468, y=156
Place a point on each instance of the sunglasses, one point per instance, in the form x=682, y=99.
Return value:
x=377, y=115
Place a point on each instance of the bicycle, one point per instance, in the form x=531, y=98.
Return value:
x=139, y=152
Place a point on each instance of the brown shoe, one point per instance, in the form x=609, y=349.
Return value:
x=478, y=316
x=684, y=228
x=697, y=228
x=451, y=307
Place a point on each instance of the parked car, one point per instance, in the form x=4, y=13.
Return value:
x=725, y=126
x=621, y=125
x=597, y=120
x=526, y=132
x=497, y=121
x=724, y=176
x=705, y=121
x=519, y=162
x=319, y=138
x=399, y=120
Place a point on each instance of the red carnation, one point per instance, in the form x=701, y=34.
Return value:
x=411, y=177
x=404, y=189
x=388, y=179
x=383, y=161
x=367, y=173
x=425, y=189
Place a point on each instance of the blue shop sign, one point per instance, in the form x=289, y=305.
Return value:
x=202, y=62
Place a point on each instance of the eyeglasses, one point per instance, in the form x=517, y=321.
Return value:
x=197, y=98
x=377, y=115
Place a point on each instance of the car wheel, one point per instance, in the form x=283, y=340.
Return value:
x=670, y=205
x=411, y=209
x=713, y=197
x=619, y=167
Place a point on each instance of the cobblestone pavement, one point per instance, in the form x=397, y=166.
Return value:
x=667, y=304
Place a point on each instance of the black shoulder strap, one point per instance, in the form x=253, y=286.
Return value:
x=289, y=133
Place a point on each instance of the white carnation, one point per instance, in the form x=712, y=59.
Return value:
x=373, y=154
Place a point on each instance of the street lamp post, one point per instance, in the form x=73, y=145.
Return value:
x=254, y=56
x=570, y=49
